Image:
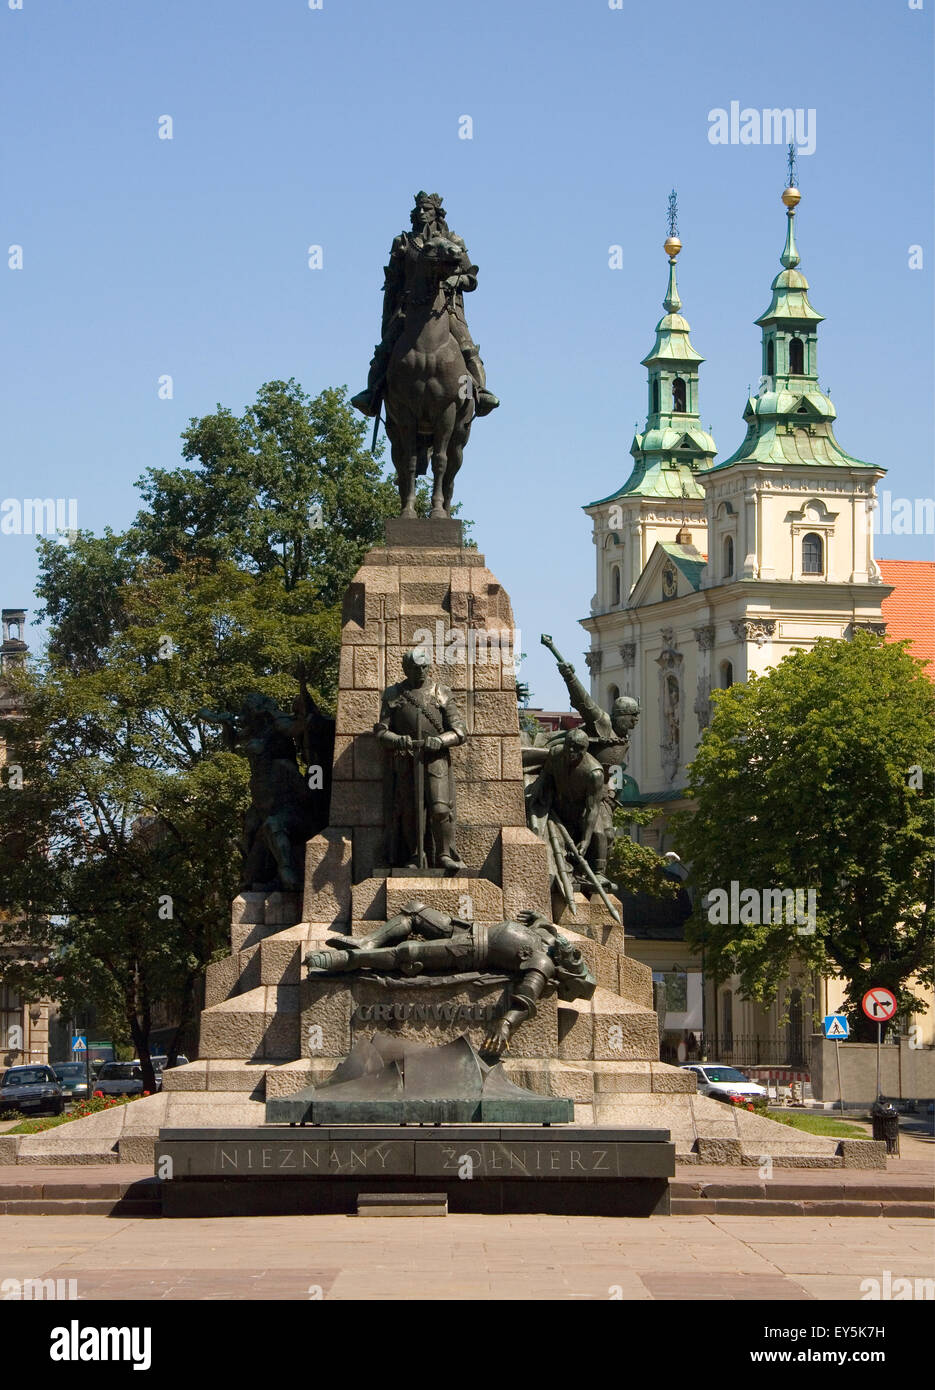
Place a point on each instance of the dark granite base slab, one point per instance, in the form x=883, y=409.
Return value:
x=386, y=1081
x=442, y=532
x=311, y=1106
x=211, y=1197
x=463, y=872
x=283, y=1169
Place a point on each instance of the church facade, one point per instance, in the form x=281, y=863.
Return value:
x=710, y=571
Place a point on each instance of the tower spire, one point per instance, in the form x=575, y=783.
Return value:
x=791, y=197
x=790, y=418
x=672, y=446
x=672, y=246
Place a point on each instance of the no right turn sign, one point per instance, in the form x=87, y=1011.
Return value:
x=879, y=1004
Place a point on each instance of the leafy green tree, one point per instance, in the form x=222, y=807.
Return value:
x=818, y=776
x=287, y=488
x=637, y=868
x=119, y=854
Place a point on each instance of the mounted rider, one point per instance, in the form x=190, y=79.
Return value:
x=428, y=223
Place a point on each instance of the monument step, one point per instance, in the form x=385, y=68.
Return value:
x=275, y=961
x=81, y=1206
x=261, y=1024
x=474, y=899
x=764, y=1206
x=402, y=1204
x=269, y=909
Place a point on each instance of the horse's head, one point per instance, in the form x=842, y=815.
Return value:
x=442, y=255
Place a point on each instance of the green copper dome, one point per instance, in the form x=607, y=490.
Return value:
x=789, y=419
x=673, y=447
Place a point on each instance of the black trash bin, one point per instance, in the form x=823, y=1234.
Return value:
x=886, y=1124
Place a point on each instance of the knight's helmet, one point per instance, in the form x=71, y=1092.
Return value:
x=573, y=979
x=625, y=704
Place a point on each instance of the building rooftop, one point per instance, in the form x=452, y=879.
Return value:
x=909, y=611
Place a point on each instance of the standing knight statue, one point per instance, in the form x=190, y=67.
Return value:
x=419, y=725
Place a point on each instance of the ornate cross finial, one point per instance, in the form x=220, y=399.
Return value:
x=790, y=157
x=673, y=214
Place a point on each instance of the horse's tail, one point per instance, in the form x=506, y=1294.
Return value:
x=424, y=446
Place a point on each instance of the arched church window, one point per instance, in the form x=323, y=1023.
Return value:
x=655, y=395
x=727, y=675
x=796, y=357
x=615, y=585
x=813, y=558
x=770, y=358
x=728, y=557
x=678, y=396
x=613, y=694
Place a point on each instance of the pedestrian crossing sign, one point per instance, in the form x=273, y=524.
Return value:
x=837, y=1026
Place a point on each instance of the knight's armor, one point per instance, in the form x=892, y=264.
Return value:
x=421, y=940
x=418, y=712
x=398, y=274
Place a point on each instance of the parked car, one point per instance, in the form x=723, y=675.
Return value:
x=120, y=1079
x=724, y=1083
x=31, y=1089
x=73, y=1079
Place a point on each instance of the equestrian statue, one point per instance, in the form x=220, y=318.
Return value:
x=427, y=370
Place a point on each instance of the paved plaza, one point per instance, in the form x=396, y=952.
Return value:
x=467, y=1257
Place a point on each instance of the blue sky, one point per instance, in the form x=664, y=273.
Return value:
x=294, y=126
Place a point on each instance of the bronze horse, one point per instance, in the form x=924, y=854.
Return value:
x=429, y=394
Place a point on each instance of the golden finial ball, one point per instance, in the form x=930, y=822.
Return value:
x=791, y=196
x=672, y=246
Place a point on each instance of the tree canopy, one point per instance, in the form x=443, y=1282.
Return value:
x=119, y=851
x=819, y=776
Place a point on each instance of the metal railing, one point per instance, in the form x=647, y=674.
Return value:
x=736, y=1049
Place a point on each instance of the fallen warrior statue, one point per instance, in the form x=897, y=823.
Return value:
x=422, y=941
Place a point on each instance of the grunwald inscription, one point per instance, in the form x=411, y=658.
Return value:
x=425, y=1013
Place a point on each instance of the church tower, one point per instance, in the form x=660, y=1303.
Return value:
x=662, y=498
x=790, y=505
x=786, y=522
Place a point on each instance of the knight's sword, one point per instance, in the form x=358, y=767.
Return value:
x=586, y=869
x=420, y=788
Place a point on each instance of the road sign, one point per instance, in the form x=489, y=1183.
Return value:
x=837, y=1026
x=879, y=1004
x=79, y=1043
